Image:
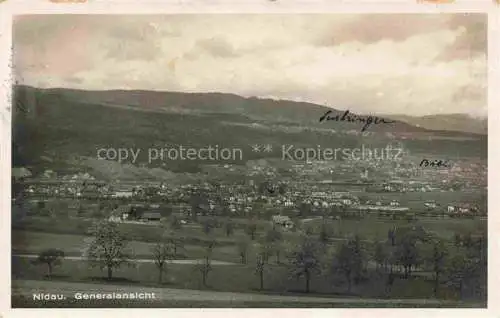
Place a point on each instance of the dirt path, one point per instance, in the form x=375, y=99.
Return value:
x=177, y=261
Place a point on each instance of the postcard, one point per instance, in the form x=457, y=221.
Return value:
x=250, y=160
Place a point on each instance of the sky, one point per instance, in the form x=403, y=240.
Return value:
x=412, y=64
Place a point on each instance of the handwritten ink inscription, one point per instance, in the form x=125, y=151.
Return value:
x=435, y=163
x=352, y=118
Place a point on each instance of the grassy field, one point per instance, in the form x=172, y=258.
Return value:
x=373, y=228
x=36, y=234
x=370, y=227
x=237, y=278
x=34, y=241
x=23, y=291
x=28, y=242
x=135, y=232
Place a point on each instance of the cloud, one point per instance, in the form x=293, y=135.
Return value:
x=217, y=47
x=473, y=39
x=412, y=63
x=373, y=28
x=127, y=50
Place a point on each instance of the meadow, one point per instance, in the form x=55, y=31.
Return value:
x=34, y=234
x=236, y=278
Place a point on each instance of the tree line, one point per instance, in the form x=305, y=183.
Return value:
x=460, y=263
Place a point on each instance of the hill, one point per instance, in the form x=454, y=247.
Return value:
x=451, y=122
x=58, y=128
x=253, y=108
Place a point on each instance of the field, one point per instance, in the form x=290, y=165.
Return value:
x=178, y=298
x=35, y=234
x=373, y=228
x=27, y=242
x=237, y=278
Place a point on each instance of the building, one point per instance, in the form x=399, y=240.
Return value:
x=430, y=205
x=151, y=216
x=394, y=203
x=123, y=194
x=346, y=201
x=122, y=212
x=115, y=218
x=283, y=221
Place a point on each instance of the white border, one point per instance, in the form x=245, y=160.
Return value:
x=14, y=7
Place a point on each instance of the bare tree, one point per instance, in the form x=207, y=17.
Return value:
x=407, y=250
x=381, y=255
x=260, y=269
x=162, y=252
x=205, y=265
x=50, y=257
x=436, y=259
x=108, y=248
x=171, y=235
x=349, y=260
x=466, y=268
x=274, y=239
x=243, y=250
x=177, y=244
x=459, y=272
x=305, y=260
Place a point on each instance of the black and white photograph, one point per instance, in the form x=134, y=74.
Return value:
x=285, y=160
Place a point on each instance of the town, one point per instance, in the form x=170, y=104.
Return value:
x=262, y=208
x=264, y=191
